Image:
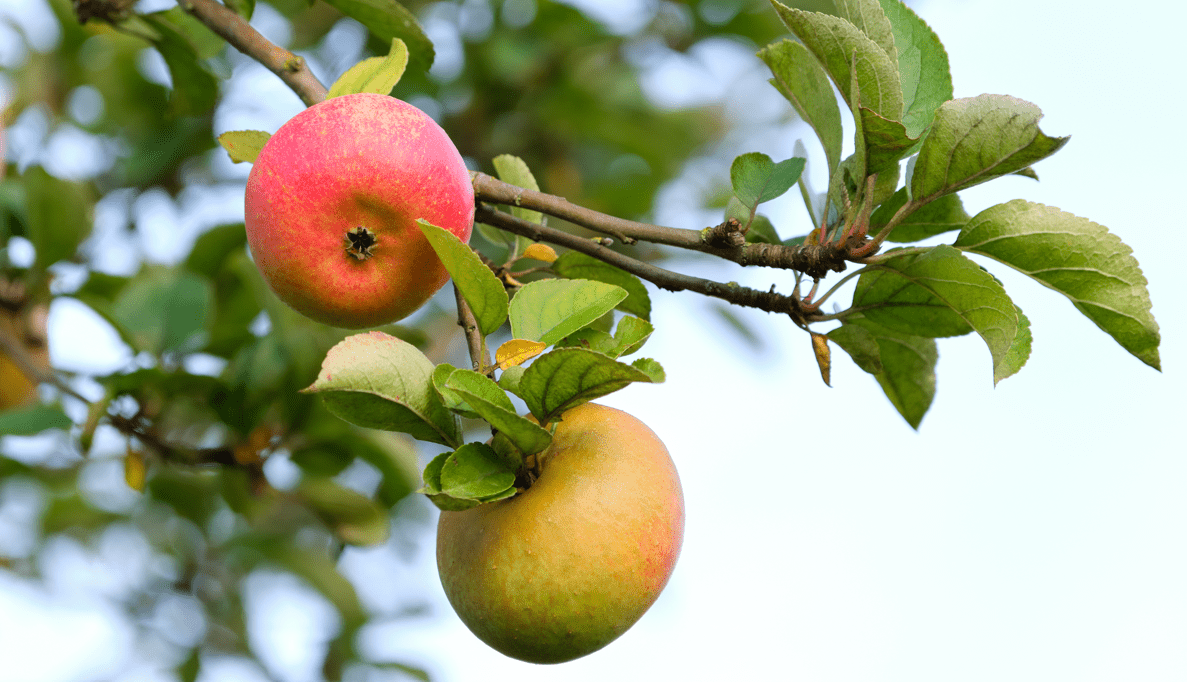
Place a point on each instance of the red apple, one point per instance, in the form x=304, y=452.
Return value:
x=566, y=566
x=332, y=203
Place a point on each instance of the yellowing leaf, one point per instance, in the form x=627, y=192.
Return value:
x=540, y=252
x=517, y=351
x=243, y=145
x=135, y=471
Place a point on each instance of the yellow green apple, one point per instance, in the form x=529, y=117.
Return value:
x=565, y=567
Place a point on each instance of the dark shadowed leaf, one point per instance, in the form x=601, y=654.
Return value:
x=975, y=139
x=939, y=293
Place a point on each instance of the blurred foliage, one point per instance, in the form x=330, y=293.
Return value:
x=211, y=390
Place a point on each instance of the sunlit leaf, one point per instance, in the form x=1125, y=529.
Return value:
x=549, y=310
x=1076, y=257
x=479, y=286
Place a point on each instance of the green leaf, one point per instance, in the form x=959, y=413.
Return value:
x=1019, y=351
x=491, y=403
x=591, y=339
x=860, y=344
x=27, y=421
x=837, y=44
x=939, y=293
x=976, y=139
x=387, y=20
x=549, y=310
x=631, y=333
x=757, y=179
x=206, y=43
x=58, y=215
x=1076, y=257
x=376, y=75
x=452, y=400
x=354, y=518
x=479, y=286
x=886, y=141
x=908, y=376
x=243, y=8
x=474, y=472
x=567, y=377
x=937, y=217
x=577, y=265
x=166, y=311
x=868, y=16
x=651, y=368
x=514, y=171
x=799, y=77
x=380, y=382
x=194, y=88
x=243, y=145
x=922, y=66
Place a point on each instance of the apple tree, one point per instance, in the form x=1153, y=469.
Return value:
x=552, y=295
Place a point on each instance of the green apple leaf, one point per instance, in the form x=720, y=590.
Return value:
x=908, y=374
x=472, y=472
x=387, y=20
x=509, y=379
x=166, y=310
x=844, y=50
x=591, y=339
x=922, y=66
x=976, y=139
x=939, y=293
x=757, y=179
x=514, y=171
x=376, y=75
x=860, y=344
x=1076, y=257
x=630, y=334
x=549, y=310
x=452, y=400
x=1018, y=353
x=380, y=382
x=886, y=141
x=799, y=77
x=354, y=518
x=58, y=215
x=567, y=377
x=27, y=421
x=629, y=337
x=195, y=89
x=243, y=145
x=868, y=16
x=491, y=403
x=479, y=286
x=937, y=217
x=577, y=265
x=651, y=368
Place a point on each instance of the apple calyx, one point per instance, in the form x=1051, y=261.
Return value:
x=360, y=242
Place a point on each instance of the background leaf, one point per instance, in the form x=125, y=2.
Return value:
x=388, y=20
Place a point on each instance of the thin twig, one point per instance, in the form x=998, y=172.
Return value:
x=816, y=260
x=664, y=279
x=235, y=30
x=475, y=342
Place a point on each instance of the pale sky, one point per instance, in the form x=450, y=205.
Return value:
x=1031, y=532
